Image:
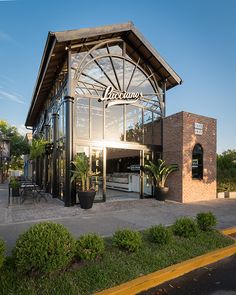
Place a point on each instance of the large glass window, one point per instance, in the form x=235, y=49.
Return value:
x=147, y=125
x=156, y=139
x=197, y=162
x=82, y=118
x=109, y=82
x=97, y=119
x=134, y=131
x=114, y=125
x=61, y=120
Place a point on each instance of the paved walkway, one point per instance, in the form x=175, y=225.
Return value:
x=104, y=218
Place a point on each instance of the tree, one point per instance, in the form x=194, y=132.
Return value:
x=18, y=145
x=226, y=170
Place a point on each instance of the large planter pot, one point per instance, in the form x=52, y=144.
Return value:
x=160, y=193
x=15, y=192
x=86, y=199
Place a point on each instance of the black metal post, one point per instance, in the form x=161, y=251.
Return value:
x=68, y=100
x=163, y=112
x=164, y=97
x=47, y=133
x=55, y=184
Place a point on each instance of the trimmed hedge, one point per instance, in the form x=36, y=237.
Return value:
x=206, y=221
x=160, y=234
x=89, y=246
x=185, y=227
x=45, y=247
x=127, y=239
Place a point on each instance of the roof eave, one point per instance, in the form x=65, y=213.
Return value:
x=50, y=43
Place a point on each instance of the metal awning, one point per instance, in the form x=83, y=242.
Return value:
x=55, y=52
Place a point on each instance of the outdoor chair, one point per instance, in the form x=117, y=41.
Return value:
x=42, y=192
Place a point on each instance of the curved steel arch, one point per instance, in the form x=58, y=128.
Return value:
x=82, y=66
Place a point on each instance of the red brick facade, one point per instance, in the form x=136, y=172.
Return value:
x=179, y=139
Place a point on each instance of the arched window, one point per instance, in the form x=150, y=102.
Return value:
x=197, y=162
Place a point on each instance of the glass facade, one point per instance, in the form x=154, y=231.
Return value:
x=117, y=104
x=81, y=124
x=116, y=119
x=114, y=123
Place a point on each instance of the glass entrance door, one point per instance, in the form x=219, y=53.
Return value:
x=147, y=180
x=97, y=169
x=122, y=174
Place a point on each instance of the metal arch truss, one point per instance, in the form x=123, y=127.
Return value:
x=95, y=89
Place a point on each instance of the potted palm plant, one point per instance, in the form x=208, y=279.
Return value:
x=83, y=173
x=15, y=186
x=160, y=172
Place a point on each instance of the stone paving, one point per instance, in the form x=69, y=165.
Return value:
x=104, y=218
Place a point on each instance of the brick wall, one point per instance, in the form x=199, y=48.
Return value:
x=178, y=142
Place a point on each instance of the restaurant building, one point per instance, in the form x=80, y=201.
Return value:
x=102, y=91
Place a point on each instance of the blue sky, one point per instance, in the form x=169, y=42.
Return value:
x=197, y=38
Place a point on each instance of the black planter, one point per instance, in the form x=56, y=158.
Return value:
x=160, y=193
x=15, y=192
x=86, y=199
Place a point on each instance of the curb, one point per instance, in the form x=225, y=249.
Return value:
x=229, y=231
x=156, y=278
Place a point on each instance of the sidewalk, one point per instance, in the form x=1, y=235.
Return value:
x=105, y=218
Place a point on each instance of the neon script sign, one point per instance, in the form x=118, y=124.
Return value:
x=115, y=97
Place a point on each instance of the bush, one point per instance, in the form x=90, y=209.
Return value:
x=2, y=251
x=45, y=247
x=185, y=227
x=89, y=246
x=160, y=234
x=127, y=239
x=206, y=221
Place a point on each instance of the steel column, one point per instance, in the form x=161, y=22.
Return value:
x=55, y=184
x=47, y=133
x=68, y=100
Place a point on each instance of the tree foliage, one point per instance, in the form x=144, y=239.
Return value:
x=226, y=170
x=37, y=148
x=18, y=145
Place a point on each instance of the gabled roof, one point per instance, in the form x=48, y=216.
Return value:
x=55, y=52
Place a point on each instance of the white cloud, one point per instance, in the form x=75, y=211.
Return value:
x=22, y=130
x=6, y=95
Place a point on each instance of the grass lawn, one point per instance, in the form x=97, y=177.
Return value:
x=113, y=268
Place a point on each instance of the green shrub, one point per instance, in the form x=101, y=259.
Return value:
x=2, y=252
x=206, y=221
x=45, y=247
x=185, y=227
x=160, y=234
x=127, y=239
x=89, y=246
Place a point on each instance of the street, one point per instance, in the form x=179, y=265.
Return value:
x=215, y=279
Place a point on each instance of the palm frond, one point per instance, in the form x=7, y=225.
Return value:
x=160, y=171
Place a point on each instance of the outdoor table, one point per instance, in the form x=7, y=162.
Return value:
x=28, y=190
